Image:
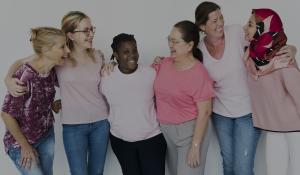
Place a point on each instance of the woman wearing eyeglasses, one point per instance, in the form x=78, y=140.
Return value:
x=84, y=111
x=184, y=93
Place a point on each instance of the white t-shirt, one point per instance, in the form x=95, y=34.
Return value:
x=230, y=75
x=130, y=97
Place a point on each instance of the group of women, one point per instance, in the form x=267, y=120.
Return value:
x=200, y=78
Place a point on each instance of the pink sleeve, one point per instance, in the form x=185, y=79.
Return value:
x=163, y=61
x=155, y=66
x=203, y=88
x=291, y=82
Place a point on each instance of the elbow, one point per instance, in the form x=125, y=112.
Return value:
x=208, y=112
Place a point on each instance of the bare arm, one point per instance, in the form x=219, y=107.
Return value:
x=204, y=112
x=28, y=153
x=14, y=85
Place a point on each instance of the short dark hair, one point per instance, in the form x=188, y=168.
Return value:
x=203, y=10
x=117, y=40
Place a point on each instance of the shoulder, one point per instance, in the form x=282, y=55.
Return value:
x=98, y=52
x=99, y=56
x=24, y=70
x=148, y=70
x=167, y=60
x=200, y=70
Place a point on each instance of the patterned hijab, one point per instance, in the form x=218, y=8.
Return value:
x=269, y=36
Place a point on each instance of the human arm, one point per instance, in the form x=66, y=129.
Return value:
x=28, y=153
x=204, y=112
x=158, y=59
x=14, y=86
x=108, y=68
x=291, y=80
x=287, y=52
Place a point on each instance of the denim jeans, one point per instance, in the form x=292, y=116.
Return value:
x=45, y=149
x=86, y=146
x=238, y=140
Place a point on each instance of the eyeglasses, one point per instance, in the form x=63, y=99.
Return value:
x=86, y=31
x=173, y=41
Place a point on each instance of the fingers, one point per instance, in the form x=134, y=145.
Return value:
x=17, y=94
x=193, y=158
x=283, y=50
x=15, y=87
x=28, y=160
x=194, y=162
x=107, y=69
x=157, y=59
x=19, y=81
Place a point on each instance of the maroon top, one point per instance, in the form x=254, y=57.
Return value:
x=33, y=109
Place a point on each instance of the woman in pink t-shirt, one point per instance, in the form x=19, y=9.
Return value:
x=184, y=93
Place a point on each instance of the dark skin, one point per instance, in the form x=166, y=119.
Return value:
x=127, y=57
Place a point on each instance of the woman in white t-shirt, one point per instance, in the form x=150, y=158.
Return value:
x=135, y=135
x=223, y=49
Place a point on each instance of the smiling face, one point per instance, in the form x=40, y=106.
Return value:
x=214, y=26
x=83, y=35
x=250, y=28
x=58, y=52
x=178, y=47
x=127, y=56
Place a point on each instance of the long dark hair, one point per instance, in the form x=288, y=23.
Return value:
x=189, y=32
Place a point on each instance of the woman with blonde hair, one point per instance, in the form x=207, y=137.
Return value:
x=84, y=111
x=29, y=139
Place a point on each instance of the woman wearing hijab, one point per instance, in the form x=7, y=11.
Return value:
x=274, y=89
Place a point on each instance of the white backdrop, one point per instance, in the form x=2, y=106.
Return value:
x=149, y=20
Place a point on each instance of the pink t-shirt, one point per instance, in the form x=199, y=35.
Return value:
x=132, y=115
x=80, y=97
x=177, y=92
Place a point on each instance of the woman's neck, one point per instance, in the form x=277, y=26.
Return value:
x=41, y=64
x=184, y=62
x=214, y=41
x=215, y=46
x=127, y=71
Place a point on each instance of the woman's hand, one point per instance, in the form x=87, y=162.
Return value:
x=193, y=156
x=29, y=156
x=107, y=68
x=56, y=106
x=15, y=87
x=158, y=59
x=286, y=53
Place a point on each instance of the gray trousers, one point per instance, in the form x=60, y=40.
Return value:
x=179, y=139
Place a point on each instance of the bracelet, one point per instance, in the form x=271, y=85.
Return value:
x=195, y=144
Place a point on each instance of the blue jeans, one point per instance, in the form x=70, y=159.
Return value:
x=45, y=149
x=238, y=140
x=86, y=146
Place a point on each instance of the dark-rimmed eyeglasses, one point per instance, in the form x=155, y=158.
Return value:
x=86, y=31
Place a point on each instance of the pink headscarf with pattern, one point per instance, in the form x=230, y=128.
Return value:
x=268, y=39
x=269, y=36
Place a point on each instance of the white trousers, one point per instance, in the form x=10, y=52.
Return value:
x=283, y=153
